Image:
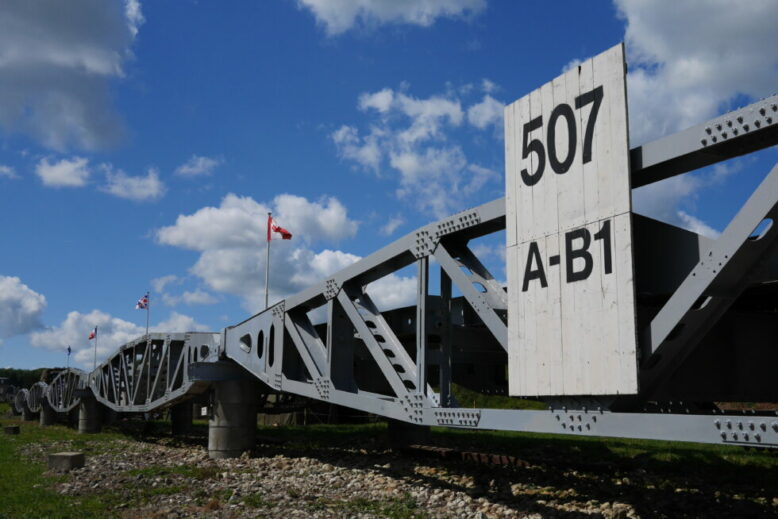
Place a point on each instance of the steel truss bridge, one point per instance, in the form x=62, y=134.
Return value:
x=707, y=326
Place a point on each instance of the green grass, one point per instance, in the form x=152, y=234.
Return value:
x=401, y=508
x=474, y=399
x=26, y=493
x=256, y=501
x=398, y=508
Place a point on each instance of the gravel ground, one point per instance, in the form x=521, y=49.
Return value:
x=164, y=481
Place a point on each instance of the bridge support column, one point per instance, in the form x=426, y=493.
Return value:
x=27, y=415
x=48, y=414
x=403, y=434
x=73, y=418
x=110, y=416
x=233, y=424
x=89, y=415
x=181, y=418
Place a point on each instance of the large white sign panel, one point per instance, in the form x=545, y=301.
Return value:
x=571, y=324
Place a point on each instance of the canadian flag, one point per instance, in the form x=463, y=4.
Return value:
x=272, y=226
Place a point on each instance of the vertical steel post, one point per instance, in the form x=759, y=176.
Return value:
x=421, y=324
x=445, y=339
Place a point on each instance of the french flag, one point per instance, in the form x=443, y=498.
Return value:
x=272, y=226
x=93, y=334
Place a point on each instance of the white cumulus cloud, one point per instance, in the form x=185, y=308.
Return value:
x=694, y=224
x=21, y=307
x=159, y=284
x=194, y=297
x=392, y=225
x=230, y=240
x=55, y=67
x=690, y=59
x=672, y=200
x=410, y=136
x=198, y=166
x=338, y=16
x=7, y=172
x=487, y=112
x=112, y=332
x=72, y=172
x=688, y=62
x=178, y=323
x=140, y=188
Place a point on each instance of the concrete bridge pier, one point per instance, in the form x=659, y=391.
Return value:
x=48, y=414
x=73, y=418
x=181, y=418
x=27, y=414
x=110, y=416
x=89, y=414
x=233, y=423
x=403, y=434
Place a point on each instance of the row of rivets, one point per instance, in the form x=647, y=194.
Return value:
x=727, y=127
x=456, y=223
x=750, y=425
x=279, y=309
x=331, y=289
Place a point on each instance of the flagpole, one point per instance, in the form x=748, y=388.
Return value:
x=148, y=310
x=94, y=364
x=68, y=356
x=267, y=261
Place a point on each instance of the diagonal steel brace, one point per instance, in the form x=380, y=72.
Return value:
x=713, y=285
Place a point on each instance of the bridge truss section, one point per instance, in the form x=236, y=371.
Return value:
x=153, y=371
x=692, y=304
x=63, y=393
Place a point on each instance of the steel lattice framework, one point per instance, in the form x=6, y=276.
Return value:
x=153, y=371
x=62, y=393
x=36, y=395
x=20, y=400
x=706, y=319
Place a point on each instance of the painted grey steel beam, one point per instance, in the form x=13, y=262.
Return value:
x=476, y=299
x=712, y=286
x=120, y=381
x=375, y=349
x=446, y=338
x=754, y=431
x=307, y=341
x=422, y=332
x=730, y=135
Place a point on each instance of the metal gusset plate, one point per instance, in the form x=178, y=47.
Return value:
x=733, y=134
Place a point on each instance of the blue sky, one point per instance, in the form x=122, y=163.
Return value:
x=142, y=143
